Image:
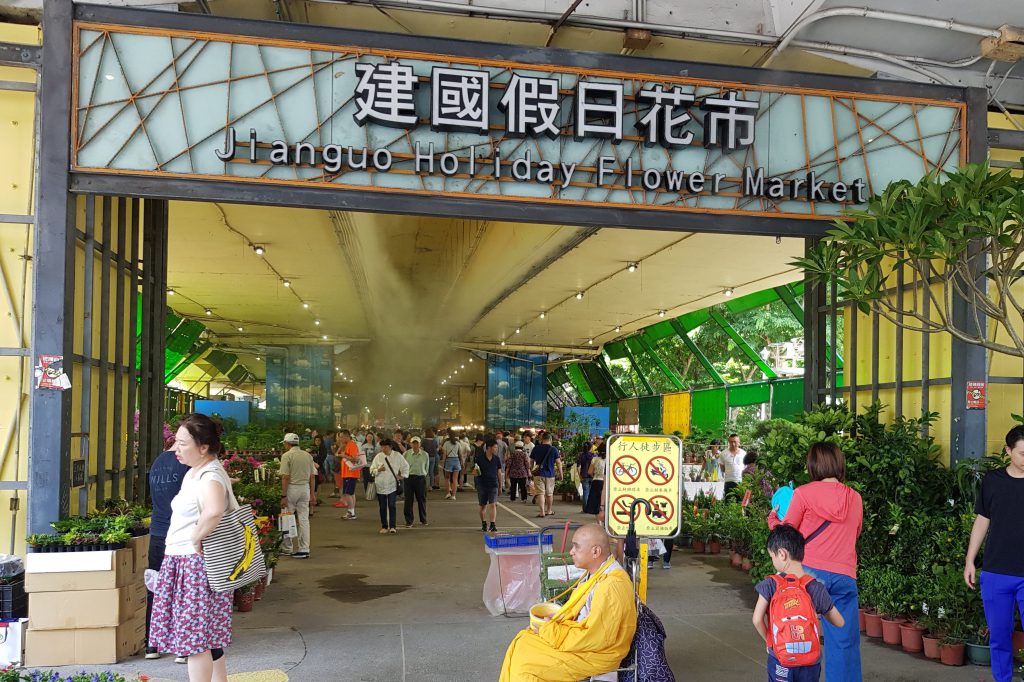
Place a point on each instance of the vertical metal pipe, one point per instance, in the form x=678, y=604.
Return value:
x=103, y=354
x=133, y=362
x=833, y=325
x=875, y=322
x=898, y=350
x=851, y=355
x=85, y=386
x=926, y=355
x=117, y=458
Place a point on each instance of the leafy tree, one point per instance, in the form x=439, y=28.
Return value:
x=964, y=236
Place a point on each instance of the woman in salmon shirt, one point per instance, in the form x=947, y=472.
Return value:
x=829, y=514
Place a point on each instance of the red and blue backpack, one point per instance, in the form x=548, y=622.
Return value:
x=793, y=632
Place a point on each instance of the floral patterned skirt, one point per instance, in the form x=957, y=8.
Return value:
x=188, y=617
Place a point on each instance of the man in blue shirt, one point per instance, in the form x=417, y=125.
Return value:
x=165, y=477
x=546, y=460
x=486, y=468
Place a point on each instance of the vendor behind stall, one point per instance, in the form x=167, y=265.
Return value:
x=591, y=633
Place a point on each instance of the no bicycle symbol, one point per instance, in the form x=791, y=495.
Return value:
x=660, y=470
x=626, y=470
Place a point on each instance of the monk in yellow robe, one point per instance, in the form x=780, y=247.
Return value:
x=591, y=633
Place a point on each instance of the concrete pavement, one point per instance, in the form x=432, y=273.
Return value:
x=408, y=608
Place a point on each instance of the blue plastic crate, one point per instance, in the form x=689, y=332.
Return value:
x=506, y=541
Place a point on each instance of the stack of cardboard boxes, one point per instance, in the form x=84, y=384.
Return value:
x=86, y=607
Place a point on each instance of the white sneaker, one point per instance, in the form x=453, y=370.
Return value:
x=181, y=659
x=448, y=496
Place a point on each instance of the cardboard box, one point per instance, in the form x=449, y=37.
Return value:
x=70, y=571
x=140, y=553
x=139, y=633
x=97, y=646
x=83, y=609
x=139, y=598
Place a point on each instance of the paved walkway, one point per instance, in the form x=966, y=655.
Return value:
x=408, y=608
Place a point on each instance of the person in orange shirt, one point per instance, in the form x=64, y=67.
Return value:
x=352, y=463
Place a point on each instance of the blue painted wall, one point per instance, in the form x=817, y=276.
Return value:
x=239, y=410
x=598, y=418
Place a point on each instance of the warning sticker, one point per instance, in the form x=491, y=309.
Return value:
x=644, y=467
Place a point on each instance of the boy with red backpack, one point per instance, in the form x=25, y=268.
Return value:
x=786, y=615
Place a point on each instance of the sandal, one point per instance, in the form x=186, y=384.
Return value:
x=540, y=516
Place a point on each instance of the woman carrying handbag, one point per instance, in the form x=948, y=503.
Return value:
x=189, y=618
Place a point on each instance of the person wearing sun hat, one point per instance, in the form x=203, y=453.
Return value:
x=298, y=474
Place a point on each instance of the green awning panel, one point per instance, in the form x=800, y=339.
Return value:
x=599, y=383
x=787, y=398
x=650, y=414
x=659, y=331
x=221, y=360
x=616, y=350
x=707, y=410
x=749, y=394
x=579, y=382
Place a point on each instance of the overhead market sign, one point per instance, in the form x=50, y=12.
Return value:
x=256, y=110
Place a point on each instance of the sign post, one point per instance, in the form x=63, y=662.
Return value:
x=643, y=467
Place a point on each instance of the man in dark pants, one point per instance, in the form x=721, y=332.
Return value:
x=165, y=477
x=416, y=484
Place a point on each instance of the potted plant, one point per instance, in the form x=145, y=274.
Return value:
x=714, y=533
x=244, y=598
x=698, y=526
x=867, y=585
x=890, y=589
x=115, y=539
x=977, y=650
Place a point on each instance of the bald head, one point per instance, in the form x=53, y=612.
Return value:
x=590, y=547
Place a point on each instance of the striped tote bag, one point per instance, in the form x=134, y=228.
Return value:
x=232, y=551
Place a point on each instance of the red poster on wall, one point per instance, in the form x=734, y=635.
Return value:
x=975, y=395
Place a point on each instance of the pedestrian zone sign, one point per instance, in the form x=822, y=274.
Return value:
x=646, y=467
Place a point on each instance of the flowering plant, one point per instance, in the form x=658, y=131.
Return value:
x=11, y=674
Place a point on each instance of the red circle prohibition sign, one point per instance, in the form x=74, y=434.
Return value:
x=665, y=506
x=660, y=470
x=626, y=470
x=620, y=508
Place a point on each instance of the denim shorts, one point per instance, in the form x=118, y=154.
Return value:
x=486, y=495
x=452, y=464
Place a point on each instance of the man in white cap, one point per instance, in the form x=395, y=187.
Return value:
x=298, y=475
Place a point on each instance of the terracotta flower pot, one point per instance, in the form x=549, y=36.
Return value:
x=872, y=624
x=747, y=564
x=245, y=601
x=952, y=654
x=911, y=635
x=860, y=619
x=698, y=546
x=735, y=560
x=931, y=647
x=714, y=547
x=1018, y=644
x=891, y=630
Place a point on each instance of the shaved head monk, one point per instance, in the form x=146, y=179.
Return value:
x=591, y=633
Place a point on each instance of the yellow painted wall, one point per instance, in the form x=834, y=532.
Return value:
x=17, y=116
x=1003, y=399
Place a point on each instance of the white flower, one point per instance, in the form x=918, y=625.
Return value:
x=942, y=613
x=924, y=608
x=951, y=502
x=895, y=529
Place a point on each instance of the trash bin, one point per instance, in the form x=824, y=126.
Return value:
x=512, y=585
